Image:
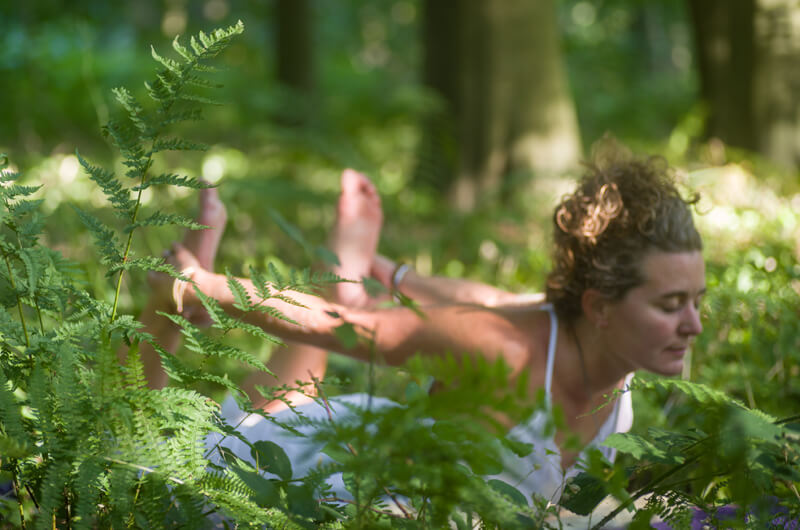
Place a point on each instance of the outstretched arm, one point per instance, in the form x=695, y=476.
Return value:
x=427, y=290
x=396, y=333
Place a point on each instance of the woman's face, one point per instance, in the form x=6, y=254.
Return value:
x=652, y=327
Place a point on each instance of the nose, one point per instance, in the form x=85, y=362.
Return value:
x=690, y=321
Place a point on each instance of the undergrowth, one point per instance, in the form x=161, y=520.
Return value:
x=85, y=443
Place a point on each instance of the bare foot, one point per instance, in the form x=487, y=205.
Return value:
x=204, y=243
x=355, y=235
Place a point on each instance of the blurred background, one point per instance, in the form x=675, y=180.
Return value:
x=471, y=117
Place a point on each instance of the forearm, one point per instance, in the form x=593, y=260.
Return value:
x=427, y=290
x=309, y=320
x=393, y=334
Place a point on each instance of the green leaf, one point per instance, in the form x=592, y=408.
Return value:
x=327, y=257
x=346, y=333
x=265, y=491
x=270, y=457
x=582, y=494
x=514, y=495
x=640, y=448
x=373, y=287
x=337, y=452
x=521, y=449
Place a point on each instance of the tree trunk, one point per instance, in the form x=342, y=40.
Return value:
x=294, y=48
x=749, y=63
x=510, y=106
x=725, y=53
x=777, y=81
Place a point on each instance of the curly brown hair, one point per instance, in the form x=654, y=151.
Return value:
x=623, y=208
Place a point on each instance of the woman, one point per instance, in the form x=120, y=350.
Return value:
x=623, y=295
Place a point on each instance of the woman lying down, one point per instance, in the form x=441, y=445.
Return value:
x=623, y=293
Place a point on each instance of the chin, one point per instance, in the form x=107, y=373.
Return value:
x=670, y=369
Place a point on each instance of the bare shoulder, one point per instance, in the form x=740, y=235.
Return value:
x=531, y=325
x=521, y=300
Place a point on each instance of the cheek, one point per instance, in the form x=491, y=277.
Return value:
x=649, y=328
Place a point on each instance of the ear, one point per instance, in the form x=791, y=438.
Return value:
x=595, y=307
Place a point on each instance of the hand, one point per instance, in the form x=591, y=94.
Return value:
x=185, y=302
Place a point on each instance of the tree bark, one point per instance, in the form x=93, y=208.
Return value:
x=725, y=52
x=294, y=47
x=510, y=109
x=777, y=81
x=748, y=55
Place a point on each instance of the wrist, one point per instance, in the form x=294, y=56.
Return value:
x=398, y=275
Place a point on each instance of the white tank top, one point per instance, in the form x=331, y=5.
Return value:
x=539, y=472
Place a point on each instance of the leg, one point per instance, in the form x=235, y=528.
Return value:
x=355, y=236
x=354, y=240
x=202, y=243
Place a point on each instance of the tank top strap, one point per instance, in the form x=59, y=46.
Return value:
x=551, y=352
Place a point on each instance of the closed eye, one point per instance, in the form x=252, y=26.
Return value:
x=671, y=304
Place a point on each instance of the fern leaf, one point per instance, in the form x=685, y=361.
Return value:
x=260, y=282
x=104, y=237
x=697, y=391
x=135, y=111
x=173, y=180
x=88, y=481
x=10, y=414
x=182, y=50
x=16, y=190
x=177, y=144
x=145, y=264
x=34, y=264
x=169, y=64
x=178, y=371
x=201, y=82
x=241, y=298
x=118, y=196
x=178, y=116
x=162, y=219
x=194, y=98
x=641, y=448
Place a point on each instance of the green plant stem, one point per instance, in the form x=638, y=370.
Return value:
x=130, y=234
x=39, y=314
x=644, y=490
x=15, y=484
x=19, y=301
x=125, y=256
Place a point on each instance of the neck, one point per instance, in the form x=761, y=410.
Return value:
x=590, y=369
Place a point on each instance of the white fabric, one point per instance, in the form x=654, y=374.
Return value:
x=540, y=472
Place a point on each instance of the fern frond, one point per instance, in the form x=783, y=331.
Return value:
x=179, y=372
x=165, y=219
x=697, y=391
x=88, y=481
x=177, y=144
x=105, y=238
x=35, y=261
x=198, y=342
x=169, y=64
x=200, y=82
x=241, y=298
x=118, y=196
x=178, y=116
x=16, y=190
x=195, y=98
x=10, y=413
x=145, y=264
x=135, y=111
x=173, y=180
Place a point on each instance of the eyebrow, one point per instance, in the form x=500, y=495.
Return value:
x=682, y=293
